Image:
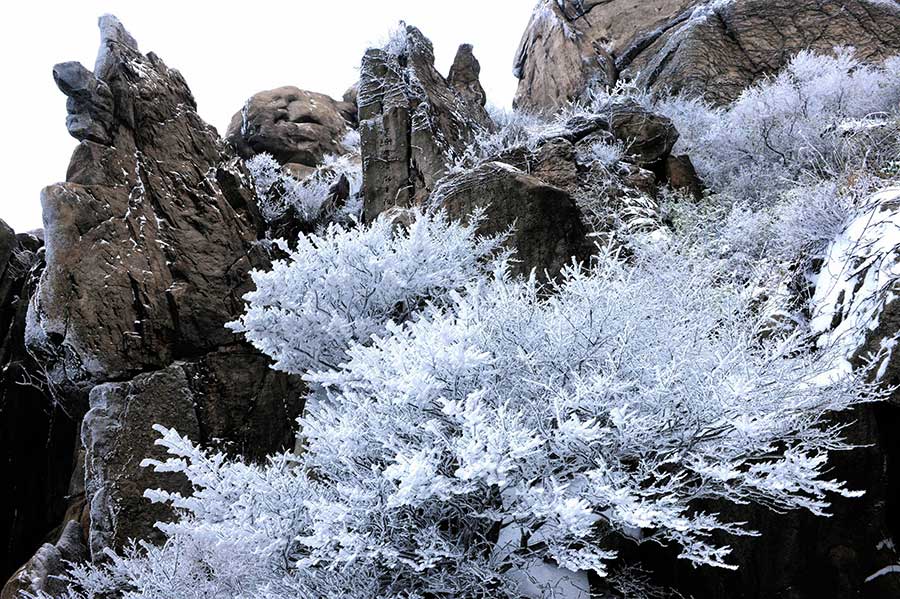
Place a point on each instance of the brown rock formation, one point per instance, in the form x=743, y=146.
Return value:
x=717, y=52
x=548, y=230
x=571, y=45
x=464, y=76
x=412, y=121
x=706, y=48
x=148, y=247
x=297, y=127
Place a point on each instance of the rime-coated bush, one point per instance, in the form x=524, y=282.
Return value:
x=793, y=229
x=820, y=117
x=345, y=285
x=512, y=130
x=507, y=439
x=279, y=193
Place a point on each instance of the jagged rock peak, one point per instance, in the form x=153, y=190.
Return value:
x=122, y=77
x=464, y=75
x=144, y=249
x=412, y=119
x=149, y=244
x=113, y=38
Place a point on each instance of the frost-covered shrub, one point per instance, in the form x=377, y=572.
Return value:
x=280, y=193
x=815, y=118
x=351, y=141
x=809, y=217
x=345, y=285
x=589, y=414
x=512, y=130
x=508, y=439
x=396, y=42
x=603, y=153
x=794, y=228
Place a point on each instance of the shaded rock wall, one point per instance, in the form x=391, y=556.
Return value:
x=37, y=434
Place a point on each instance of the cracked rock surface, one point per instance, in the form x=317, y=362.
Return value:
x=413, y=120
x=717, y=53
x=713, y=49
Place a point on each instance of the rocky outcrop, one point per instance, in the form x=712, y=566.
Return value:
x=564, y=158
x=570, y=46
x=536, y=191
x=43, y=571
x=720, y=50
x=547, y=228
x=464, y=76
x=149, y=243
x=295, y=126
x=712, y=49
x=412, y=121
x=90, y=102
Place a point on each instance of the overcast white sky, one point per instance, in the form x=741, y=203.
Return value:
x=227, y=51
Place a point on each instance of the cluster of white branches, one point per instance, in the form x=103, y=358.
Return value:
x=345, y=285
x=820, y=117
x=496, y=428
x=279, y=193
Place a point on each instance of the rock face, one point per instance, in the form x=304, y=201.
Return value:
x=548, y=228
x=41, y=572
x=146, y=256
x=148, y=247
x=37, y=433
x=117, y=434
x=571, y=45
x=228, y=397
x=711, y=49
x=716, y=53
x=412, y=121
x=297, y=127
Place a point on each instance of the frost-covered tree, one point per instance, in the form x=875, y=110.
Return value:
x=280, y=193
